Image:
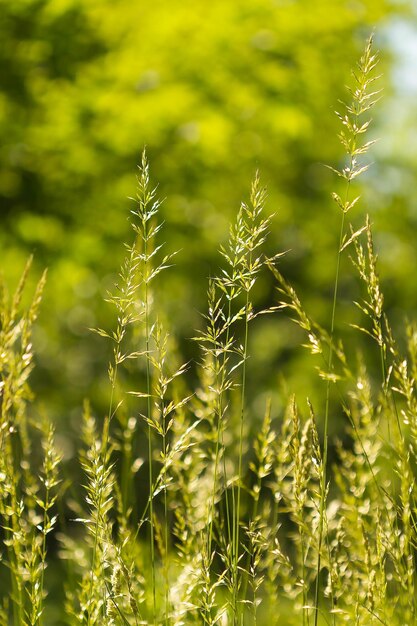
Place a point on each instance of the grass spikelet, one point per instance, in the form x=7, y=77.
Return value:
x=99, y=499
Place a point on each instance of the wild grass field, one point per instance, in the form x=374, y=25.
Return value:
x=186, y=516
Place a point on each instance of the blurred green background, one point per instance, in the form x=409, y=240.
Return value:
x=215, y=90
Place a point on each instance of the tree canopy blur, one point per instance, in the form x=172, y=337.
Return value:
x=215, y=90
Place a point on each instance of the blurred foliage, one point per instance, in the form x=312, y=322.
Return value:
x=215, y=90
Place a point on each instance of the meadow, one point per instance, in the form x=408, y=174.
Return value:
x=187, y=514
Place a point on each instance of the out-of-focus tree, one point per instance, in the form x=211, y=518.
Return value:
x=215, y=90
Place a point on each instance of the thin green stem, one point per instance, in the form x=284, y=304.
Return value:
x=219, y=438
x=166, y=564
x=323, y=485
x=304, y=579
x=11, y=529
x=219, y=441
x=43, y=553
x=236, y=526
x=17, y=597
x=148, y=392
x=104, y=447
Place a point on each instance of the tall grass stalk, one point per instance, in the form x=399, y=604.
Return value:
x=144, y=198
x=363, y=100
x=225, y=355
x=123, y=301
x=245, y=262
x=216, y=349
x=146, y=229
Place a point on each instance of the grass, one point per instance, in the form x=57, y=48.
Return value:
x=185, y=519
